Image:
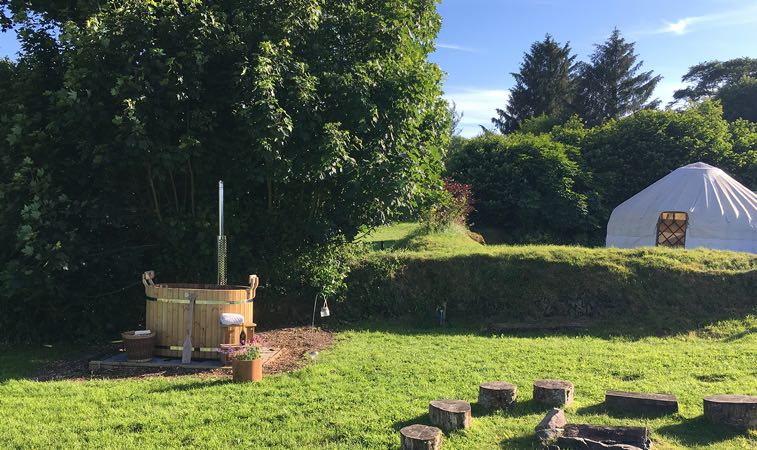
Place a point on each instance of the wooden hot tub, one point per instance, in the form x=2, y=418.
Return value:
x=167, y=311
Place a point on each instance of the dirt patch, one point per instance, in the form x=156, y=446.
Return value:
x=295, y=344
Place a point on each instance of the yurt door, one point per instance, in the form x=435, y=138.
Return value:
x=671, y=229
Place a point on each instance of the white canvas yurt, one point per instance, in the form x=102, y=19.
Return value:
x=694, y=206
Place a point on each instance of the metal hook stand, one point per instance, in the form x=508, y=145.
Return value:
x=325, y=312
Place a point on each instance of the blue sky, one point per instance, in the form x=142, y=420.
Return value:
x=482, y=41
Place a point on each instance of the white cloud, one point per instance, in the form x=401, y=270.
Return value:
x=456, y=47
x=477, y=105
x=741, y=16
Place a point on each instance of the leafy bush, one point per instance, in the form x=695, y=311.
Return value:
x=321, y=117
x=626, y=156
x=452, y=206
x=530, y=186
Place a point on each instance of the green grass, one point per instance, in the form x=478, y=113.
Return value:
x=373, y=382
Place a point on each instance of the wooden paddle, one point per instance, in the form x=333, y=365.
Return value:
x=186, y=352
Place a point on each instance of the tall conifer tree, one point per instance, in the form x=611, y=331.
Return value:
x=542, y=85
x=612, y=85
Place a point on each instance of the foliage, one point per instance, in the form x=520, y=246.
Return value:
x=626, y=156
x=321, y=117
x=453, y=206
x=543, y=85
x=530, y=186
x=249, y=352
x=378, y=378
x=611, y=86
x=739, y=99
x=707, y=78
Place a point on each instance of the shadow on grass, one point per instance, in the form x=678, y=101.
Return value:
x=697, y=431
x=193, y=385
x=521, y=442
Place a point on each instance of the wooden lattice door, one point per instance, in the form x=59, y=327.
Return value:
x=671, y=229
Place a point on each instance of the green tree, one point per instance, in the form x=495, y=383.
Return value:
x=612, y=84
x=531, y=187
x=739, y=99
x=707, y=78
x=321, y=117
x=543, y=85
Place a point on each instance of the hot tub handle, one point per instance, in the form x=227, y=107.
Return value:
x=254, y=281
x=148, y=277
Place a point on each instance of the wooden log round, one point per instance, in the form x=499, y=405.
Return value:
x=497, y=394
x=420, y=437
x=450, y=415
x=739, y=411
x=553, y=392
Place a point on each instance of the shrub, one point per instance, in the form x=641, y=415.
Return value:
x=530, y=186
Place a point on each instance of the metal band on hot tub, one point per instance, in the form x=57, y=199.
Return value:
x=197, y=302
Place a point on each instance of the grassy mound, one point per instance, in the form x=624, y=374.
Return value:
x=647, y=289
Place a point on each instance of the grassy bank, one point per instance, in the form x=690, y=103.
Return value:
x=373, y=382
x=652, y=289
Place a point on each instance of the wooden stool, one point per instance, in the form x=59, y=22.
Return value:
x=497, y=394
x=553, y=392
x=450, y=415
x=420, y=437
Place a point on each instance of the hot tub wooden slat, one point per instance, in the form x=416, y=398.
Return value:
x=167, y=311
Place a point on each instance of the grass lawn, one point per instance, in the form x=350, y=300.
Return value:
x=373, y=382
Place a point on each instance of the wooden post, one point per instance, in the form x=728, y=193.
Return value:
x=450, y=415
x=420, y=437
x=497, y=394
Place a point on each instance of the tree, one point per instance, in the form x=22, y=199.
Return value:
x=739, y=99
x=543, y=85
x=612, y=85
x=707, y=78
x=321, y=117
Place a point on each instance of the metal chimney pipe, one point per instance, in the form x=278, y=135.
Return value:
x=221, y=239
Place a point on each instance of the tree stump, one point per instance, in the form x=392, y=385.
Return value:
x=657, y=404
x=553, y=392
x=739, y=411
x=420, y=437
x=450, y=415
x=497, y=394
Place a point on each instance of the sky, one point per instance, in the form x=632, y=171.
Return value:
x=482, y=41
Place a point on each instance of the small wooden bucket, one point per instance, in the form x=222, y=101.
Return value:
x=139, y=348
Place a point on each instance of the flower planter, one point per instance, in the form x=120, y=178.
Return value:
x=244, y=371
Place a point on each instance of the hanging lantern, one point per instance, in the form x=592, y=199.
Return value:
x=325, y=309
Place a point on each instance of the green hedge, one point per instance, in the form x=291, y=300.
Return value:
x=662, y=289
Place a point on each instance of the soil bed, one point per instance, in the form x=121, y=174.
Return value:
x=294, y=342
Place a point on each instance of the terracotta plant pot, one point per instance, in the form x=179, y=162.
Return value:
x=244, y=371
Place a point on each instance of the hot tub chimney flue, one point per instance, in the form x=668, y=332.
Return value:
x=221, y=239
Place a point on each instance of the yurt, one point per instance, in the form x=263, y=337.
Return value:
x=694, y=206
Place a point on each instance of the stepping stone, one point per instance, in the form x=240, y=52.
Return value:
x=420, y=437
x=450, y=415
x=497, y=394
x=553, y=392
x=641, y=402
x=739, y=411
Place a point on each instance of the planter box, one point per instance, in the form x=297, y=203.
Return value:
x=244, y=371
